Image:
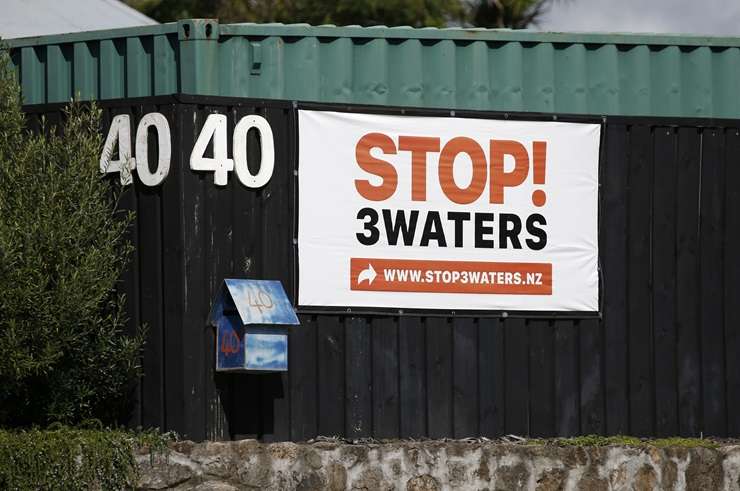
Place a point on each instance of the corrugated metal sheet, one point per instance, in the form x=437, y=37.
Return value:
x=498, y=70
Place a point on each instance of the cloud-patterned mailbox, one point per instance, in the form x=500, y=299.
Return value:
x=249, y=317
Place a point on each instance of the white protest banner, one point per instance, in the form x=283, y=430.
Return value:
x=447, y=213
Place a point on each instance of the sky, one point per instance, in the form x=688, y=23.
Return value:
x=21, y=18
x=711, y=17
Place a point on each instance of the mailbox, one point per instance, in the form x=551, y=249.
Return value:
x=251, y=319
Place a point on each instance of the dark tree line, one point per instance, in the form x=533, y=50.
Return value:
x=417, y=13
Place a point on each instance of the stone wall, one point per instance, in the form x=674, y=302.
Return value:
x=437, y=465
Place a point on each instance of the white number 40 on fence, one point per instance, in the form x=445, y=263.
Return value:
x=125, y=164
x=213, y=129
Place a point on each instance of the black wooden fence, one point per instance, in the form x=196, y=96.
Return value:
x=662, y=359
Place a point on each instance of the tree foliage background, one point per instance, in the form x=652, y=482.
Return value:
x=416, y=13
x=63, y=356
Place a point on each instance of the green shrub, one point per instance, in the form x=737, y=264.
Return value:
x=69, y=459
x=63, y=356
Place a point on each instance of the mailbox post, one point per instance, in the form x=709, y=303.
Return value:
x=251, y=319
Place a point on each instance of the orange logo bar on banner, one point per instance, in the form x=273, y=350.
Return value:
x=427, y=276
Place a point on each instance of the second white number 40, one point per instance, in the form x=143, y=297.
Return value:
x=215, y=128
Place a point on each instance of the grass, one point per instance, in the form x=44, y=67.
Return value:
x=625, y=441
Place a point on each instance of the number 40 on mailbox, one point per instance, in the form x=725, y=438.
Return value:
x=250, y=318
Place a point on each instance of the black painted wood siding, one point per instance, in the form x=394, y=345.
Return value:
x=662, y=360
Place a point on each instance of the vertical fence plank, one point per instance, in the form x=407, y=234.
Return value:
x=491, y=377
x=275, y=407
x=193, y=330
x=517, y=376
x=303, y=379
x=465, y=378
x=331, y=375
x=567, y=396
x=613, y=240
x=149, y=220
x=664, y=282
x=732, y=278
x=711, y=294
x=246, y=218
x=277, y=197
x=638, y=281
x=592, y=395
x=245, y=417
x=541, y=379
x=385, y=363
x=413, y=394
x=129, y=281
x=245, y=413
x=358, y=369
x=439, y=376
x=687, y=283
x=218, y=254
x=173, y=276
x=276, y=237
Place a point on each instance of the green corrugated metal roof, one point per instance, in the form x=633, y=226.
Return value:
x=504, y=70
